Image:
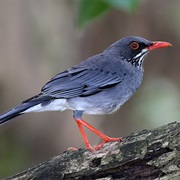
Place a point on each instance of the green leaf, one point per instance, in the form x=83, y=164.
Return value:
x=127, y=5
x=91, y=9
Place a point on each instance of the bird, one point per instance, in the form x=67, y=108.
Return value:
x=101, y=84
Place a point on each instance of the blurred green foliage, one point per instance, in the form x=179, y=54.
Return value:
x=91, y=9
x=13, y=158
x=158, y=103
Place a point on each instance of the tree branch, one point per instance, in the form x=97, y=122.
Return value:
x=153, y=154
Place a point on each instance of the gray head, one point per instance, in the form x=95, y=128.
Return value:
x=133, y=48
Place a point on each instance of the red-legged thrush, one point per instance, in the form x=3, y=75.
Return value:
x=98, y=85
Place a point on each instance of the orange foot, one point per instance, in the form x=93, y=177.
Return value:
x=81, y=123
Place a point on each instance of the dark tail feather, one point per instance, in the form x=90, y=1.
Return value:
x=19, y=109
x=16, y=111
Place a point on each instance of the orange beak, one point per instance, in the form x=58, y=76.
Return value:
x=158, y=44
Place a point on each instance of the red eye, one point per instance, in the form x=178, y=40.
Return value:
x=134, y=45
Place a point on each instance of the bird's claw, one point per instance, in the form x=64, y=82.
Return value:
x=105, y=141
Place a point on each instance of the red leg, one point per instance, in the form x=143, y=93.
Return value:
x=105, y=138
x=100, y=134
x=84, y=136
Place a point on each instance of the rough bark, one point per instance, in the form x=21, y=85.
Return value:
x=149, y=154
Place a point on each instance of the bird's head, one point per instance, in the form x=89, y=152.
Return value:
x=133, y=48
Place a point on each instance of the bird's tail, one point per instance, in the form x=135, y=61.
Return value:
x=20, y=109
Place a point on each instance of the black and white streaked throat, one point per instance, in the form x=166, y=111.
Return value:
x=138, y=59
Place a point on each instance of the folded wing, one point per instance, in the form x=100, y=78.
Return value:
x=81, y=82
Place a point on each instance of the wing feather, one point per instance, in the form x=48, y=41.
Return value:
x=80, y=82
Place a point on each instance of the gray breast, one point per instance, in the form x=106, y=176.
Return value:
x=110, y=99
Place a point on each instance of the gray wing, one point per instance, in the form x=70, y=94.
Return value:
x=80, y=81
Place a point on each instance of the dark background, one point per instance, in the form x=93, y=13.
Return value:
x=38, y=39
